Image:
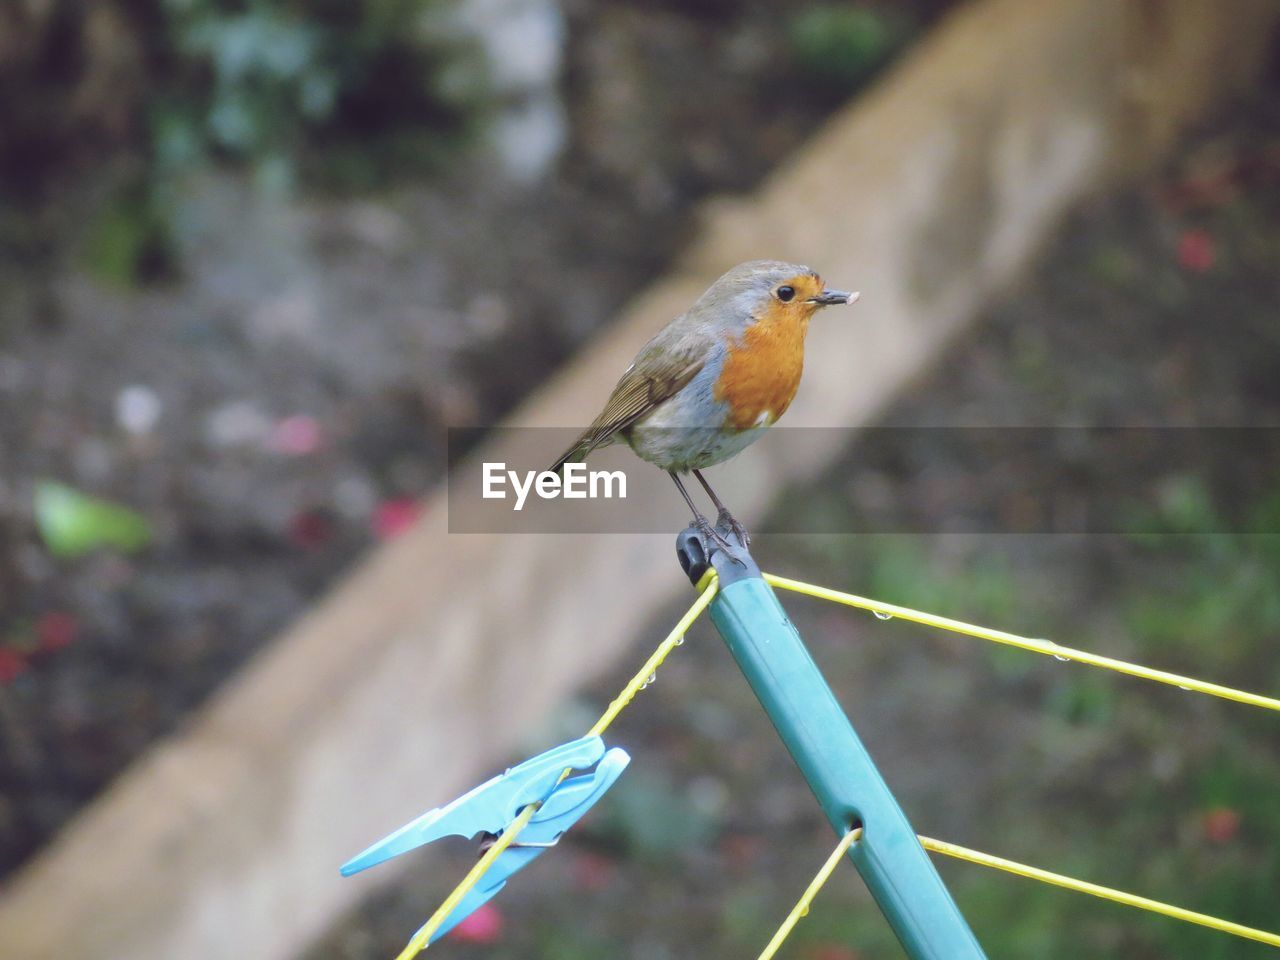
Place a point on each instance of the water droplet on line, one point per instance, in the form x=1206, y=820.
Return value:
x=1061, y=658
x=680, y=640
x=881, y=615
x=1181, y=687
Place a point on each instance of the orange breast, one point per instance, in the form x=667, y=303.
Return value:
x=762, y=370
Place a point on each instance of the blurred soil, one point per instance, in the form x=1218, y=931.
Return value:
x=1154, y=306
x=273, y=411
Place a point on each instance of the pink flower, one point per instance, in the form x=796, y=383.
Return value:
x=393, y=517
x=297, y=436
x=482, y=926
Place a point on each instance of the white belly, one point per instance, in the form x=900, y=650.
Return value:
x=682, y=447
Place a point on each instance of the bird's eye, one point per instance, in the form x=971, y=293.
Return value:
x=785, y=294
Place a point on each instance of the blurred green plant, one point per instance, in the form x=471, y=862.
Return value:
x=1219, y=587
x=642, y=817
x=980, y=587
x=842, y=45
x=1184, y=813
x=343, y=92
x=337, y=95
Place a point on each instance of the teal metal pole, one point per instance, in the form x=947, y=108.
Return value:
x=820, y=738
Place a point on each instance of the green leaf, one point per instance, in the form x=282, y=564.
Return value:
x=72, y=523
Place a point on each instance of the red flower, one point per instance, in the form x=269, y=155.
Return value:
x=742, y=851
x=1196, y=251
x=12, y=664
x=831, y=951
x=1220, y=824
x=310, y=529
x=56, y=630
x=592, y=872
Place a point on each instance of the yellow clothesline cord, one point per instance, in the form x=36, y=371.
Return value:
x=1046, y=647
x=1094, y=890
x=645, y=674
x=988, y=860
x=418, y=943
x=708, y=589
x=801, y=908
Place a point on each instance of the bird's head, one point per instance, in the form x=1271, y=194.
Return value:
x=772, y=289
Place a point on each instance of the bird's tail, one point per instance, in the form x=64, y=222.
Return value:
x=576, y=453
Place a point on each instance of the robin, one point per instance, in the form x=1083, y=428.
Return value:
x=715, y=378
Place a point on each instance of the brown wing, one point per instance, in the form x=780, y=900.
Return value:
x=660, y=371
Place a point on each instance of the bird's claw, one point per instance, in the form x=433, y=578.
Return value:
x=711, y=535
x=725, y=519
x=714, y=539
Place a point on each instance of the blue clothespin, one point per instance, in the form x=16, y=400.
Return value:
x=495, y=803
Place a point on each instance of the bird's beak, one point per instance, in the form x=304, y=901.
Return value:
x=829, y=298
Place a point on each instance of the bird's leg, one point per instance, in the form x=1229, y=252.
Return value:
x=702, y=523
x=724, y=516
